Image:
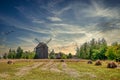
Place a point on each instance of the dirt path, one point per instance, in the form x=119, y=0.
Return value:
x=25, y=70
x=4, y=75
x=51, y=66
x=69, y=71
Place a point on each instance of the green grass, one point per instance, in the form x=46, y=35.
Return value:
x=85, y=71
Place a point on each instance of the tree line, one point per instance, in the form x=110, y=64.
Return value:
x=19, y=54
x=98, y=49
x=94, y=49
x=59, y=55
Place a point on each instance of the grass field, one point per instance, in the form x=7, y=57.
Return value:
x=55, y=70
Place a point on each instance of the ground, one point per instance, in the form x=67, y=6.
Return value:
x=47, y=69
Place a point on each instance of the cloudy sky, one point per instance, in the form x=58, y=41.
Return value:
x=67, y=22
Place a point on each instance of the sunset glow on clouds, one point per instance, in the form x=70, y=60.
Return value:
x=67, y=22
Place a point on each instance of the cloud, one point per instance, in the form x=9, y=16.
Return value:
x=25, y=26
x=109, y=25
x=61, y=11
x=67, y=23
x=2, y=46
x=98, y=9
x=67, y=28
x=54, y=19
x=38, y=21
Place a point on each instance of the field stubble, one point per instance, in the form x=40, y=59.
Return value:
x=56, y=70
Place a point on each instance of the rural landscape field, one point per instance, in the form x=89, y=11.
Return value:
x=59, y=39
x=72, y=69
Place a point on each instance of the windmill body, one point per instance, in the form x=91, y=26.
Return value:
x=41, y=50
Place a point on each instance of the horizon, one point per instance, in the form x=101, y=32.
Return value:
x=67, y=22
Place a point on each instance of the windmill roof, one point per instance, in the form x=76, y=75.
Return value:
x=41, y=44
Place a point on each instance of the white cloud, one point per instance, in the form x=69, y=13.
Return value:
x=26, y=39
x=100, y=10
x=21, y=25
x=72, y=32
x=38, y=21
x=60, y=12
x=54, y=19
x=67, y=28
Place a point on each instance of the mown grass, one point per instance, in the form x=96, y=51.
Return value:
x=85, y=71
x=92, y=72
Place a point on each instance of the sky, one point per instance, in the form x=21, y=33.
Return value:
x=69, y=23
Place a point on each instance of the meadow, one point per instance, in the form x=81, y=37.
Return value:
x=48, y=69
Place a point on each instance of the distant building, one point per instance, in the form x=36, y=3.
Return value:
x=41, y=51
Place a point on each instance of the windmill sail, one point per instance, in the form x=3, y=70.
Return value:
x=37, y=40
x=48, y=41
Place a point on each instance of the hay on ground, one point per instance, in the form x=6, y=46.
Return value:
x=62, y=61
x=10, y=62
x=111, y=65
x=89, y=62
x=98, y=63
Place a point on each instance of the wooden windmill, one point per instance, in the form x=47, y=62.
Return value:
x=41, y=49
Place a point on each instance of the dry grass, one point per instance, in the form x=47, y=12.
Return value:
x=45, y=69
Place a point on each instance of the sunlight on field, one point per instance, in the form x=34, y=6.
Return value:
x=56, y=70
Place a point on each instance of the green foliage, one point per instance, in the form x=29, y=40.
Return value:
x=52, y=55
x=5, y=55
x=113, y=52
x=19, y=52
x=95, y=54
x=28, y=55
x=61, y=55
x=11, y=54
x=110, y=53
x=64, y=56
x=93, y=49
x=69, y=55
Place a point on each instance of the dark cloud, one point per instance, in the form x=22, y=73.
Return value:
x=109, y=25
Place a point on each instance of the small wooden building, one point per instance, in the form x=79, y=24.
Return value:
x=41, y=51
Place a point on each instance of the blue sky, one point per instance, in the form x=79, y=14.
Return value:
x=67, y=22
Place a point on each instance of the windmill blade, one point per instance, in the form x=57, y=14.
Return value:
x=37, y=40
x=48, y=41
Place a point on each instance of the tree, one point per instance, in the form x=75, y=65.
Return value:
x=117, y=49
x=52, y=54
x=19, y=52
x=110, y=53
x=64, y=56
x=5, y=55
x=95, y=54
x=31, y=55
x=28, y=55
x=11, y=54
x=69, y=55
x=78, y=54
x=93, y=49
x=115, y=44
